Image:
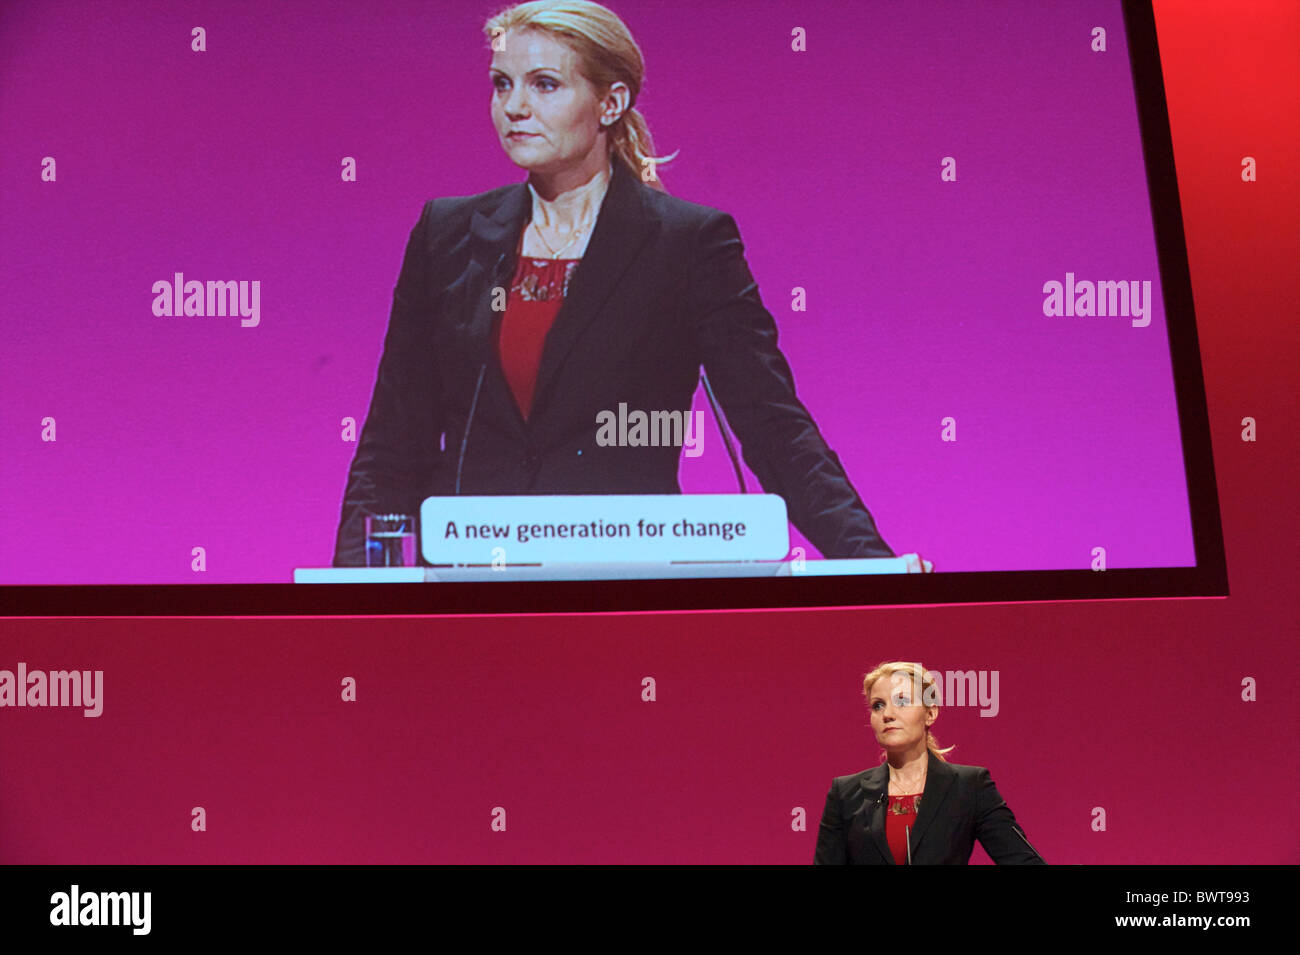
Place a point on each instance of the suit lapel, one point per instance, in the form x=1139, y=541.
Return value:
x=938, y=781
x=621, y=229
x=492, y=241
x=875, y=785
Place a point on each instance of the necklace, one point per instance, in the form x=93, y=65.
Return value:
x=910, y=788
x=577, y=233
x=555, y=254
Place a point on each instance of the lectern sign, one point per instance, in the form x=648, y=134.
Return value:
x=540, y=529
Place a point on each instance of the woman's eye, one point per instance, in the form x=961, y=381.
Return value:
x=545, y=83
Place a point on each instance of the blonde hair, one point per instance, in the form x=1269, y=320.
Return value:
x=919, y=676
x=607, y=54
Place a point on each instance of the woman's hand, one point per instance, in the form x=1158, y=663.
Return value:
x=916, y=564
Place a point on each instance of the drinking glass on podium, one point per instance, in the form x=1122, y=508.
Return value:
x=390, y=540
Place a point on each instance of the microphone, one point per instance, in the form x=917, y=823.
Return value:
x=1027, y=842
x=731, y=452
x=473, y=405
x=469, y=420
x=907, y=834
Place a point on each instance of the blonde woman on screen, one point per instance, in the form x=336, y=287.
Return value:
x=616, y=294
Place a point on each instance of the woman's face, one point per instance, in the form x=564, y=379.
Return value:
x=538, y=90
x=899, y=721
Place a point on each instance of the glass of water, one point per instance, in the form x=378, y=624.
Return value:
x=390, y=540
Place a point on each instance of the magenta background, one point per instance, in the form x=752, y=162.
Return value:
x=925, y=298
x=1129, y=705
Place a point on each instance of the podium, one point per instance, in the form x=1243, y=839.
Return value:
x=641, y=570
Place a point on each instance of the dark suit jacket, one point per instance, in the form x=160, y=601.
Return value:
x=958, y=805
x=662, y=289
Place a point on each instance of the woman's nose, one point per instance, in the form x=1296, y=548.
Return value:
x=514, y=104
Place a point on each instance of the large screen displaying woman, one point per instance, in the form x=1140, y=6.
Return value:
x=434, y=296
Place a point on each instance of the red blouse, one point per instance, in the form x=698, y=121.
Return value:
x=537, y=291
x=900, y=813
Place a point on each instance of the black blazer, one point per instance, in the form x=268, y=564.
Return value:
x=958, y=805
x=662, y=289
